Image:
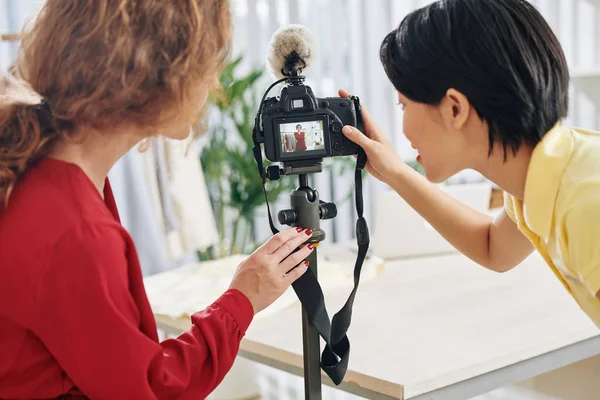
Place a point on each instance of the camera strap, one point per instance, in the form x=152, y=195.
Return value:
x=335, y=356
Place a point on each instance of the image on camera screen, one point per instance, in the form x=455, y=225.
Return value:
x=302, y=136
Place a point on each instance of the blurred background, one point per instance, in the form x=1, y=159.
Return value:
x=181, y=210
x=348, y=34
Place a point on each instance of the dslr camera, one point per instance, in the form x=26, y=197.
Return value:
x=300, y=129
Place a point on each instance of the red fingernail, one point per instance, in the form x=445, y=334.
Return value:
x=310, y=246
x=309, y=232
x=306, y=263
x=298, y=229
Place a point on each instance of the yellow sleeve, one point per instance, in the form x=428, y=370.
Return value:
x=582, y=232
x=509, y=207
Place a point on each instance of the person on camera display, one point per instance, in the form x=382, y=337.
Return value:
x=300, y=138
x=484, y=85
x=91, y=81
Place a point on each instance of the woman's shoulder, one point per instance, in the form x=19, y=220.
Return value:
x=581, y=161
x=44, y=229
x=48, y=202
x=52, y=244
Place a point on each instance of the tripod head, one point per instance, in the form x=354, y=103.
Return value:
x=307, y=210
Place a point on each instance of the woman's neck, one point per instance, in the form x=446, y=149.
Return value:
x=510, y=176
x=95, y=152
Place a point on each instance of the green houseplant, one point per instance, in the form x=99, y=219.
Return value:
x=229, y=166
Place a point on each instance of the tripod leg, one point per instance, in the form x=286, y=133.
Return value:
x=305, y=208
x=312, y=350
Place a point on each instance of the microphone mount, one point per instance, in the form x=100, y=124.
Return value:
x=296, y=80
x=293, y=76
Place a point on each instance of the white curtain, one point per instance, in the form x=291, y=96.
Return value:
x=4, y=28
x=13, y=15
x=6, y=48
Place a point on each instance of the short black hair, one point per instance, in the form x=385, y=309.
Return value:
x=501, y=54
x=298, y=126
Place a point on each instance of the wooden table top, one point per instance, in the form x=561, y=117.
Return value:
x=431, y=323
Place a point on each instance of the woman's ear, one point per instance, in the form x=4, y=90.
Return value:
x=455, y=108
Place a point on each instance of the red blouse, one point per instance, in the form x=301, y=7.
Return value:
x=300, y=141
x=74, y=316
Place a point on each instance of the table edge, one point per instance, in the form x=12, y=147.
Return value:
x=293, y=363
x=517, y=372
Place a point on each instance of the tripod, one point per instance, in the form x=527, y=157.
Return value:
x=306, y=211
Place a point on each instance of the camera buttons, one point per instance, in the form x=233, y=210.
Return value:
x=336, y=126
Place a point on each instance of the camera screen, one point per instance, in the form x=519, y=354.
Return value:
x=302, y=136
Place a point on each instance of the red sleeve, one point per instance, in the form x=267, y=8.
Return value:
x=89, y=321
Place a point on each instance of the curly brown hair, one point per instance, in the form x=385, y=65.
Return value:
x=104, y=63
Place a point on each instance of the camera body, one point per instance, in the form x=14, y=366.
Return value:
x=299, y=129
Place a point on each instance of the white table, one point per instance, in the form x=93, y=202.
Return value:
x=439, y=328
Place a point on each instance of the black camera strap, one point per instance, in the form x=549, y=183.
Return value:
x=335, y=356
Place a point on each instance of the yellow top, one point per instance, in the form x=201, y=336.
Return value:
x=560, y=212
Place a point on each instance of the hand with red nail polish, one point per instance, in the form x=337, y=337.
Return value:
x=271, y=269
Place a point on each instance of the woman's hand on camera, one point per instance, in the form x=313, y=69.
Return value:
x=268, y=272
x=382, y=160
